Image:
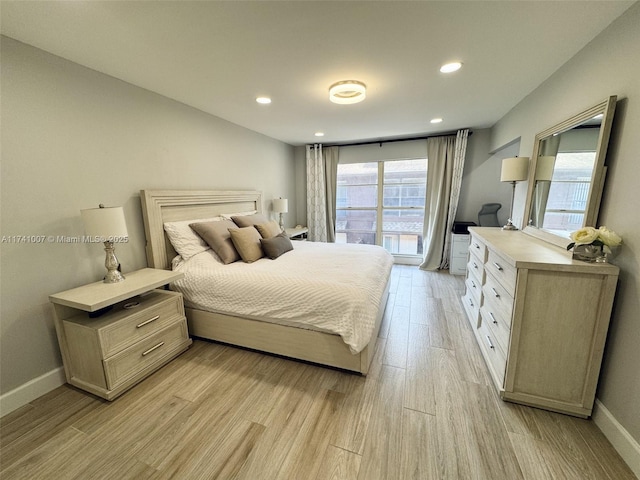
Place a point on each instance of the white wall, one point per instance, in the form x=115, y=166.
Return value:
x=73, y=138
x=607, y=66
x=481, y=178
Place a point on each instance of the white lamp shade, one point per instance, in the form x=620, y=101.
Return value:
x=104, y=222
x=544, y=167
x=514, y=169
x=280, y=205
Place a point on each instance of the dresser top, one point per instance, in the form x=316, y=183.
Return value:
x=524, y=251
x=95, y=296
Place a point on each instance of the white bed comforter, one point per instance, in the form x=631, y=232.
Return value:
x=333, y=288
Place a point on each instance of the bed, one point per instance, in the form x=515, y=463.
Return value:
x=279, y=335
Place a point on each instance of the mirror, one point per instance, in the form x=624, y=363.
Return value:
x=568, y=174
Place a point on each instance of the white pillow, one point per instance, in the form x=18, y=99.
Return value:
x=228, y=216
x=184, y=240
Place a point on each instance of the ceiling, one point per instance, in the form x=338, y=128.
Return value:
x=219, y=56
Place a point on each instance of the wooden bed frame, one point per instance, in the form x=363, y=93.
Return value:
x=160, y=206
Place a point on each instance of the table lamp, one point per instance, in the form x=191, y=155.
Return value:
x=106, y=224
x=513, y=170
x=281, y=206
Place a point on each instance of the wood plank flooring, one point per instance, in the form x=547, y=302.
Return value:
x=425, y=411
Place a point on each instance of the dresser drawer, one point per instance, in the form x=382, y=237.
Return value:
x=478, y=249
x=471, y=305
x=153, y=312
x=499, y=328
x=501, y=270
x=496, y=358
x=143, y=355
x=474, y=287
x=500, y=299
x=476, y=268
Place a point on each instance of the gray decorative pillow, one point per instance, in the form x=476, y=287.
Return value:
x=250, y=220
x=269, y=229
x=247, y=243
x=276, y=246
x=217, y=236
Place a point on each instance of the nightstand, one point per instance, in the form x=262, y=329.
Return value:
x=297, y=233
x=113, y=336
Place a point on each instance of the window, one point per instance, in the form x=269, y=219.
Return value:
x=569, y=190
x=382, y=203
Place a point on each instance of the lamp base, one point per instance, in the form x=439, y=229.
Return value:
x=113, y=276
x=509, y=226
x=111, y=262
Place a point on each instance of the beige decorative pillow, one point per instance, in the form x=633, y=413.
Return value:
x=269, y=229
x=247, y=243
x=250, y=220
x=276, y=246
x=217, y=236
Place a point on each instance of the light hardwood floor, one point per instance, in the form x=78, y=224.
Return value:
x=426, y=411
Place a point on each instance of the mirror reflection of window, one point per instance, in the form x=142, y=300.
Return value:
x=569, y=191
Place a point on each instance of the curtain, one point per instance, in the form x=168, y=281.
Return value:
x=330, y=182
x=445, y=157
x=322, y=170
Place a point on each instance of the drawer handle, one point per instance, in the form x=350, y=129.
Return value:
x=471, y=302
x=498, y=266
x=496, y=294
x=152, y=349
x=489, y=342
x=476, y=245
x=475, y=265
x=148, y=321
x=473, y=284
x=493, y=319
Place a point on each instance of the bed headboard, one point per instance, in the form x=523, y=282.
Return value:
x=160, y=206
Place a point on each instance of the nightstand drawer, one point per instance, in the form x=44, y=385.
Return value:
x=143, y=355
x=153, y=312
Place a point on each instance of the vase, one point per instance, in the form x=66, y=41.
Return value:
x=589, y=253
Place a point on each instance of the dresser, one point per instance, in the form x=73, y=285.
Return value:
x=113, y=335
x=539, y=317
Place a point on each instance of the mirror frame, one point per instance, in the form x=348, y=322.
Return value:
x=607, y=109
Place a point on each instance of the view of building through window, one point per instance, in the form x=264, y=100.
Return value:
x=382, y=203
x=569, y=191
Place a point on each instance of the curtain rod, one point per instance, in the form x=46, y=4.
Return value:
x=391, y=140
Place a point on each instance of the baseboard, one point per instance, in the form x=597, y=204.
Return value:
x=31, y=390
x=622, y=441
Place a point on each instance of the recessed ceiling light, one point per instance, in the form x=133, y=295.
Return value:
x=450, y=67
x=436, y=120
x=319, y=134
x=347, y=92
x=263, y=100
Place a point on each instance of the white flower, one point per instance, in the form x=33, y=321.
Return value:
x=585, y=236
x=609, y=237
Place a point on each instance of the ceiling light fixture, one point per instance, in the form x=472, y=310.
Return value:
x=319, y=134
x=436, y=120
x=451, y=67
x=263, y=100
x=347, y=92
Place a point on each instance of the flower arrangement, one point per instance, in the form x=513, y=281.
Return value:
x=600, y=237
